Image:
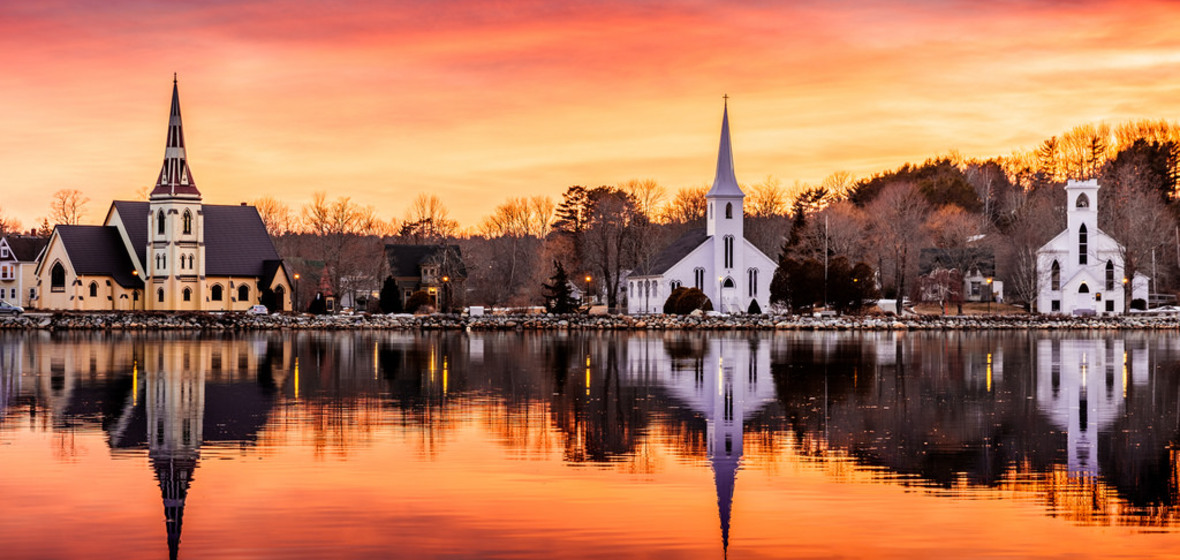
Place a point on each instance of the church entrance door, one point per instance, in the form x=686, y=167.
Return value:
x=729, y=297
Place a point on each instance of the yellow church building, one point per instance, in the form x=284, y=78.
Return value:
x=171, y=253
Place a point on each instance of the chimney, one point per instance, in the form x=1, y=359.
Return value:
x=243, y=204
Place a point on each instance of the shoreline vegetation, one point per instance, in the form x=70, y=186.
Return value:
x=229, y=322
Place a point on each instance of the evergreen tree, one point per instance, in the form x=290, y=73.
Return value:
x=558, y=298
x=391, y=301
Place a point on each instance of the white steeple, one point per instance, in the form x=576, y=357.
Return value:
x=725, y=181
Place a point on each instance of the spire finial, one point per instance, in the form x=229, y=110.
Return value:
x=726, y=98
x=174, y=78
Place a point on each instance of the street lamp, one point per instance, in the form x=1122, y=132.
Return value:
x=588, y=289
x=295, y=299
x=446, y=294
x=989, y=296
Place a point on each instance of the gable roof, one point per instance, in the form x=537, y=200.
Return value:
x=25, y=248
x=406, y=260
x=673, y=253
x=236, y=241
x=932, y=258
x=99, y=250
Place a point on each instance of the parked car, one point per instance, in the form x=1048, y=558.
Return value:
x=258, y=310
x=10, y=309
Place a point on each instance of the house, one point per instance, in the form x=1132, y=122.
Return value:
x=1080, y=271
x=18, y=260
x=978, y=282
x=437, y=270
x=170, y=253
x=717, y=259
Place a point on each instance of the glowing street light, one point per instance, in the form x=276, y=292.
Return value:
x=990, y=296
x=587, y=288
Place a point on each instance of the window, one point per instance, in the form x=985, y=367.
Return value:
x=160, y=223
x=94, y=289
x=135, y=295
x=1110, y=305
x=752, y=275
x=1083, y=289
x=1082, y=244
x=728, y=210
x=4, y=252
x=698, y=278
x=160, y=295
x=57, y=278
x=1055, y=305
x=188, y=294
x=1083, y=201
x=728, y=283
x=1055, y=276
x=188, y=222
x=1109, y=276
x=215, y=292
x=243, y=293
x=674, y=284
x=728, y=251
x=7, y=272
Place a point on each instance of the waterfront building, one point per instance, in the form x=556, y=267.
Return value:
x=717, y=259
x=1080, y=272
x=170, y=253
x=18, y=260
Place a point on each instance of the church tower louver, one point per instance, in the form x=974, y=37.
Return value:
x=175, y=258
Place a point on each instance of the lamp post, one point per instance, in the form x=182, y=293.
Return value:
x=1127, y=300
x=295, y=300
x=446, y=288
x=588, y=301
x=989, y=296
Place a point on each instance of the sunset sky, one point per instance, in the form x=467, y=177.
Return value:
x=477, y=101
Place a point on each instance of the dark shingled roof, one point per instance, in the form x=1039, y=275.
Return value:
x=26, y=247
x=99, y=250
x=236, y=242
x=405, y=260
x=673, y=253
x=931, y=258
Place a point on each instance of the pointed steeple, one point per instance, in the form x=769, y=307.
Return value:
x=724, y=477
x=175, y=177
x=725, y=182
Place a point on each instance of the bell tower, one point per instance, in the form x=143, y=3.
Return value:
x=175, y=259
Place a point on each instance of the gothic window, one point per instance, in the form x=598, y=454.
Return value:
x=188, y=222
x=728, y=210
x=160, y=295
x=753, y=281
x=188, y=294
x=215, y=292
x=728, y=283
x=1055, y=276
x=1083, y=289
x=1109, y=276
x=160, y=223
x=674, y=284
x=728, y=251
x=94, y=289
x=1082, y=244
x=1083, y=201
x=57, y=278
x=698, y=278
x=243, y=293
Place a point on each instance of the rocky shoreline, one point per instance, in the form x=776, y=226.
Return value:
x=141, y=321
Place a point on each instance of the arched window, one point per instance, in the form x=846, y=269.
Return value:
x=752, y=277
x=57, y=278
x=674, y=284
x=728, y=283
x=215, y=292
x=243, y=293
x=1083, y=201
x=1083, y=244
x=160, y=223
x=160, y=295
x=698, y=278
x=728, y=251
x=188, y=222
x=188, y=294
x=1083, y=289
x=728, y=210
x=1109, y=276
x=1055, y=276
x=94, y=289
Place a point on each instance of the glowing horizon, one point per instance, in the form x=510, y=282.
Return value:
x=479, y=102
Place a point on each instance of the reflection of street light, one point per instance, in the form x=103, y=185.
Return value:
x=587, y=288
x=989, y=296
x=296, y=298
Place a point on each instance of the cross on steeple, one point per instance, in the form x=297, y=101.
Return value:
x=726, y=98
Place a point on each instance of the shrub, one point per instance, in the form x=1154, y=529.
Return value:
x=683, y=301
x=419, y=302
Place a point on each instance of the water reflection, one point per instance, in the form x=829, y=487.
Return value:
x=1083, y=426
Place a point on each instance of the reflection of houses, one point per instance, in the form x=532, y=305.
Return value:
x=18, y=258
x=1081, y=270
x=1082, y=387
x=171, y=252
x=718, y=259
x=724, y=379
x=437, y=270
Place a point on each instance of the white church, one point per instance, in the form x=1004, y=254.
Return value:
x=718, y=259
x=1080, y=272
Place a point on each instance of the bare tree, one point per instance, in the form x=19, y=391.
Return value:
x=897, y=215
x=340, y=229
x=68, y=207
x=838, y=184
x=648, y=196
x=611, y=238
x=767, y=198
x=688, y=206
x=275, y=215
x=8, y=224
x=1035, y=221
x=427, y=221
x=1131, y=211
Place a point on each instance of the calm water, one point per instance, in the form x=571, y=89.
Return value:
x=375, y=445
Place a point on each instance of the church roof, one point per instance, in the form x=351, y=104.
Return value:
x=26, y=247
x=406, y=260
x=176, y=179
x=99, y=250
x=236, y=241
x=673, y=253
x=725, y=181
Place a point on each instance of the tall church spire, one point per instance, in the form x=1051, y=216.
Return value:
x=175, y=177
x=725, y=182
